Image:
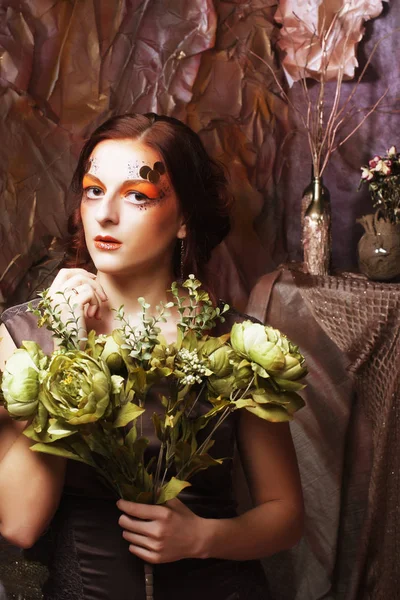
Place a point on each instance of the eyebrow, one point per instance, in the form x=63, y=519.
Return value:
x=126, y=182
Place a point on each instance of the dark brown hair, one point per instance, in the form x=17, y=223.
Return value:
x=199, y=182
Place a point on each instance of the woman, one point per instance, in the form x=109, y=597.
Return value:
x=153, y=206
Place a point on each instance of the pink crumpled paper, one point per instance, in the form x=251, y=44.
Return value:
x=303, y=22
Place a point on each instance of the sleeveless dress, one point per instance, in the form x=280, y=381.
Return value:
x=83, y=548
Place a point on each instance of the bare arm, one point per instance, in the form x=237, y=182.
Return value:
x=276, y=522
x=167, y=533
x=30, y=482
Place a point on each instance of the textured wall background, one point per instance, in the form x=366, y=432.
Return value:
x=65, y=66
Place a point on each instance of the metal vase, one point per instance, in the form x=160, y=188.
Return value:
x=317, y=229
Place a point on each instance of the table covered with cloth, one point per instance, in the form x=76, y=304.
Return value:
x=347, y=438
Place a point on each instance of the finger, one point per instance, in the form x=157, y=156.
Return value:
x=91, y=310
x=65, y=274
x=175, y=504
x=147, y=528
x=77, y=281
x=142, y=541
x=93, y=306
x=146, y=555
x=142, y=511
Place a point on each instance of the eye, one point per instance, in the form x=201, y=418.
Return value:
x=93, y=192
x=138, y=198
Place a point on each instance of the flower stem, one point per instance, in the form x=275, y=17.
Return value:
x=149, y=580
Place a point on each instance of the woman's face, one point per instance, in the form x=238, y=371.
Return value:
x=129, y=209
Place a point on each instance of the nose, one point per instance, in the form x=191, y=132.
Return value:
x=108, y=209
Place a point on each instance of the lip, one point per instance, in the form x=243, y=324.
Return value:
x=106, y=242
x=106, y=238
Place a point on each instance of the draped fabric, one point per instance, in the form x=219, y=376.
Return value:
x=347, y=436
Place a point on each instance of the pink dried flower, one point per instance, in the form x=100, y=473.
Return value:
x=366, y=174
x=383, y=168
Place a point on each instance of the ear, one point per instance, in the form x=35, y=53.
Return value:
x=181, y=234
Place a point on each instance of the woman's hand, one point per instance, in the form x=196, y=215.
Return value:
x=82, y=291
x=159, y=534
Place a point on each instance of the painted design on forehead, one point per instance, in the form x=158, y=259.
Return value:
x=152, y=174
x=93, y=166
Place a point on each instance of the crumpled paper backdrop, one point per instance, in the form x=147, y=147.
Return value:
x=303, y=21
x=67, y=66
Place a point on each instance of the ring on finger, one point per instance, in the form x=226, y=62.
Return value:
x=75, y=291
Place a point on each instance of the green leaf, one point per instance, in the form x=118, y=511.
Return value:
x=288, y=385
x=57, y=451
x=199, y=462
x=259, y=370
x=270, y=412
x=131, y=436
x=127, y=413
x=97, y=443
x=171, y=490
x=158, y=426
x=58, y=429
x=190, y=341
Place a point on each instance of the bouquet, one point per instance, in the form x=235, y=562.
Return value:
x=382, y=175
x=89, y=404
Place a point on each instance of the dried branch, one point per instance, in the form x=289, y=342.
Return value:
x=322, y=124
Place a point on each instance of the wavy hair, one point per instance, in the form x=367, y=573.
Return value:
x=199, y=183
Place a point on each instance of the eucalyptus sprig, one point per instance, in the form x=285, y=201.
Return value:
x=141, y=340
x=196, y=310
x=49, y=316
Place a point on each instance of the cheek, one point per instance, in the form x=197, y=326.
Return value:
x=162, y=219
x=84, y=213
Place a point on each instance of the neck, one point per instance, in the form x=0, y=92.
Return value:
x=125, y=290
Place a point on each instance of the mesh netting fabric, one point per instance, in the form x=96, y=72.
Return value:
x=363, y=319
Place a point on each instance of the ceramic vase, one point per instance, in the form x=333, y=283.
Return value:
x=379, y=248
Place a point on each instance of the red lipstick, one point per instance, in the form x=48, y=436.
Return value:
x=106, y=242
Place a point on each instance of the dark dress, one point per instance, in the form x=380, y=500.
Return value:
x=86, y=555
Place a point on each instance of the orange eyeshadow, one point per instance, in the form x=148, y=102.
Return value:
x=89, y=179
x=145, y=187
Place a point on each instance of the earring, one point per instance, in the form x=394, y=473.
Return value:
x=182, y=259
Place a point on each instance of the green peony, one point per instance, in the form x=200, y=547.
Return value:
x=77, y=388
x=20, y=383
x=269, y=351
x=111, y=355
x=219, y=361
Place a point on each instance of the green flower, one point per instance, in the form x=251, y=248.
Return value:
x=269, y=351
x=230, y=372
x=77, y=388
x=112, y=356
x=20, y=383
x=219, y=361
x=221, y=386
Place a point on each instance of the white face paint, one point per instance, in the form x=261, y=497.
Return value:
x=128, y=198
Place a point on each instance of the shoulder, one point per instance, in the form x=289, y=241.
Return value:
x=239, y=317
x=22, y=325
x=233, y=316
